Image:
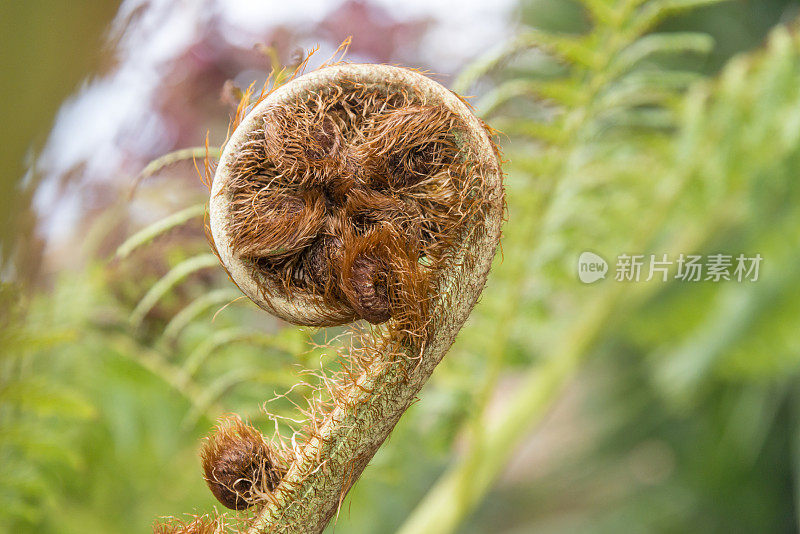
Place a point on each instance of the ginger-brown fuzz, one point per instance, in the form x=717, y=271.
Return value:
x=354, y=194
x=196, y=525
x=238, y=464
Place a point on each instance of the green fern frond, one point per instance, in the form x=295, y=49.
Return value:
x=660, y=44
x=226, y=337
x=204, y=302
x=558, y=91
x=167, y=282
x=158, y=228
x=171, y=158
x=656, y=11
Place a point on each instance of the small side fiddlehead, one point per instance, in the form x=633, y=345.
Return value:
x=239, y=465
x=353, y=192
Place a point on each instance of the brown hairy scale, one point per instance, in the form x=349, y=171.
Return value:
x=197, y=525
x=335, y=187
x=238, y=464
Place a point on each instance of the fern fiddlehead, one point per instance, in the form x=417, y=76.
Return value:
x=353, y=192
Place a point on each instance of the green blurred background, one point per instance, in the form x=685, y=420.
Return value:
x=628, y=126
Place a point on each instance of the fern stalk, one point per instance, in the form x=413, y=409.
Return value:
x=363, y=414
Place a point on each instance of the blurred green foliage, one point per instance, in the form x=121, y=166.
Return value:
x=630, y=127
